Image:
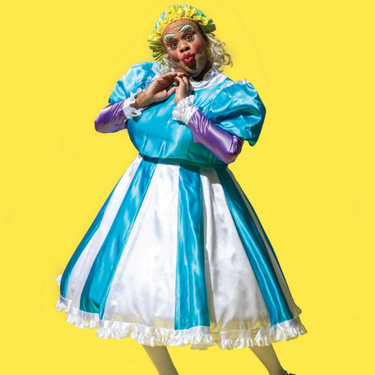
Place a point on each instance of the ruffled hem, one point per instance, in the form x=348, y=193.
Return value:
x=198, y=337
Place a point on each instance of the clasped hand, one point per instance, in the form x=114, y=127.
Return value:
x=157, y=90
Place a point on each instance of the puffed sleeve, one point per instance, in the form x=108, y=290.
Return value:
x=136, y=79
x=238, y=109
x=114, y=117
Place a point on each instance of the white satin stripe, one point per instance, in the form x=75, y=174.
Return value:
x=294, y=309
x=82, y=267
x=235, y=300
x=143, y=287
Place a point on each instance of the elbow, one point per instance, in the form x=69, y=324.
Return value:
x=231, y=155
x=103, y=120
x=98, y=125
x=230, y=159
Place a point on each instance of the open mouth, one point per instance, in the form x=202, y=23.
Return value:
x=188, y=58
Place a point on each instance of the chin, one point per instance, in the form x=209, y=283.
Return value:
x=191, y=71
x=196, y=71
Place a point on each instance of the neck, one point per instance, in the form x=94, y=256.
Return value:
x=200, y=76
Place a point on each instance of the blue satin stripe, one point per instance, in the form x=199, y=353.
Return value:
x=191, y=307
x=264, y=234
x=256, y=251
x=86, y=239
x=99, y=280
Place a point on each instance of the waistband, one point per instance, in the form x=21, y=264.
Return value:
x=183, y=162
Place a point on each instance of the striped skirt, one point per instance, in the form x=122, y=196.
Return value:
x=177, y=256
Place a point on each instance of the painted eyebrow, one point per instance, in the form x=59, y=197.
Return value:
x=168, y=37
x=185, y=28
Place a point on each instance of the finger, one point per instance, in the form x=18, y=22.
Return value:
x=165, y=81
x=171, y=75
x=179, y=80
x=187, y=83
x=181, y=84
x=165, y=78
x=171, y=90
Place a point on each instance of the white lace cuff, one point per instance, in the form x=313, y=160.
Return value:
x=131, y=111
x=185, y=109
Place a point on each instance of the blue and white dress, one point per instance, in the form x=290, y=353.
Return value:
x=177, y=255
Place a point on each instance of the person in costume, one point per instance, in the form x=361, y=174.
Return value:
x=177, y=255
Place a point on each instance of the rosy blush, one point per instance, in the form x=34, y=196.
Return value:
x=195, y=47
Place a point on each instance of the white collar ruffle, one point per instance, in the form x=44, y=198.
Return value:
x=211, y=78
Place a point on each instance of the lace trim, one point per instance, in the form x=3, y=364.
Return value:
x=131, y=111
x=199, y=337
x=185, y=109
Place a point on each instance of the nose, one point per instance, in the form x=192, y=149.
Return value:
x=184, y=46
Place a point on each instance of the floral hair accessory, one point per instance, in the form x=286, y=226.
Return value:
x=172, y=14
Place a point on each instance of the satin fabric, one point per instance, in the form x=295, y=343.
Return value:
x=177, y=255
x=191, y=295
x=111, y=119
x=86, y=241
x=256, y=251
x=83, y=258
x=222, y=144
x=166, y=264
x=100, y=277
x=234, y=106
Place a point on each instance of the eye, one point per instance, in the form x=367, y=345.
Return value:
x=189, y=37
x=173, y=45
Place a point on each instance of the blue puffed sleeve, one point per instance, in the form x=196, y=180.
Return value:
x=238, y=109
x=137, y=77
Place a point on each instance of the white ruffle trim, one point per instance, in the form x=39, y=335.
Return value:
x=131, y=111
x=199, y=337
x=185, y=109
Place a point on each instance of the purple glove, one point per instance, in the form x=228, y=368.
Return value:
x=222, y=144
x=111, y=118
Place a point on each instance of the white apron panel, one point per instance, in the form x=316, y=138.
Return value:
x=143, y=287
x=234, y=297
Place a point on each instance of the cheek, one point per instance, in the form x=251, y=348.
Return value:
x=174, y=55
x=195, y=47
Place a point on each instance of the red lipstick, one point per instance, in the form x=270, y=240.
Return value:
x=188, y=58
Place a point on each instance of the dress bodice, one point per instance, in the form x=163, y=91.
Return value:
x=234, y=106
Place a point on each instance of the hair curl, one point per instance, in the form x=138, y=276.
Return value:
x=217, y=55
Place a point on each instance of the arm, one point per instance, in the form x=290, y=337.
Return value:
x=223, y=145
x=111, y=118
x=114, y=117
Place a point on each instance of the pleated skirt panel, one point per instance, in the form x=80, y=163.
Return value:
x=177, y=256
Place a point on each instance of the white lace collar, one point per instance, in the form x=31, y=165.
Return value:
x=211, y=78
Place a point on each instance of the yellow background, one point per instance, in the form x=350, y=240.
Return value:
x=310, y=177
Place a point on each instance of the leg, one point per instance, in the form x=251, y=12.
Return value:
x=267, y=356
x=160, y=358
